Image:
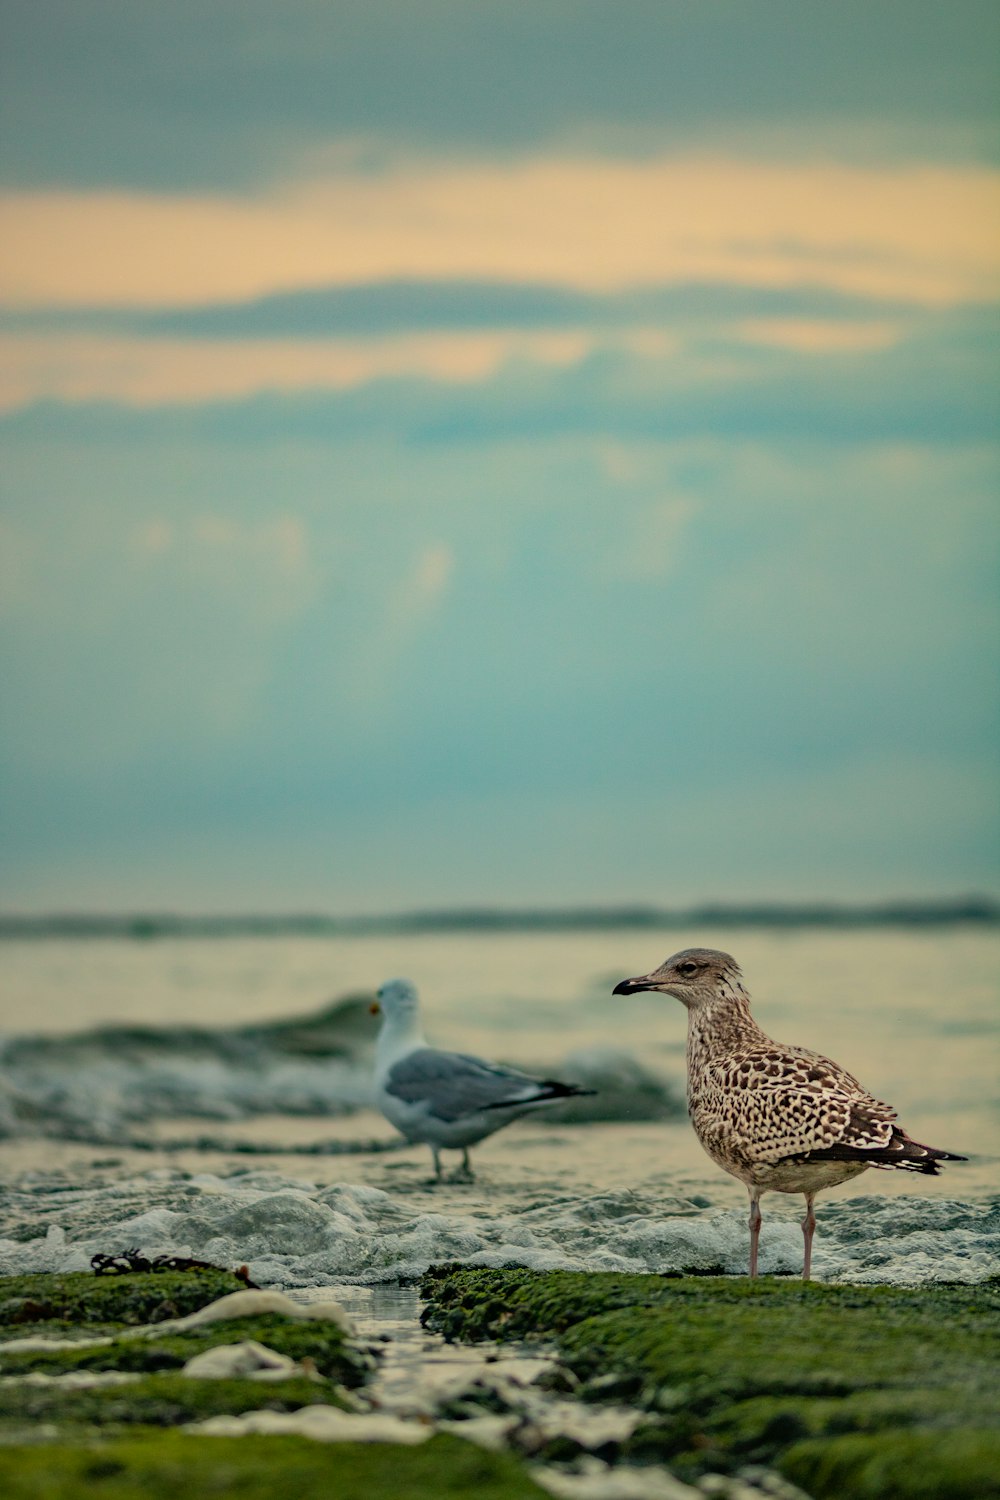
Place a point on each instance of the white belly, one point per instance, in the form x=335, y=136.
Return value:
x=415, y=1121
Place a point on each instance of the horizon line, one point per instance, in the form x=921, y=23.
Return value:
x=974, y=908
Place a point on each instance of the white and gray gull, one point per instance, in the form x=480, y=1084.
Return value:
x=446, y=1099
x=781, y=1119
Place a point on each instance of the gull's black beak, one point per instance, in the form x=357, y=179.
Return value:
x=632, y=986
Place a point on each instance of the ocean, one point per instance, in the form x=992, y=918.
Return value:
x=210, y=1095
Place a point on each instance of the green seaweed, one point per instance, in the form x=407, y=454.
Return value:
x=157, y=1401
x=960, y=1465
x=47, y=1303
x=460, y=1304
x=322, y=1342
x=161, y=1465
x=827, y=1383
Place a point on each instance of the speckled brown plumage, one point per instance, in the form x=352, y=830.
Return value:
x=780, y=1118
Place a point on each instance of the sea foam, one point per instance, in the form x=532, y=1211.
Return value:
x=292, y=1233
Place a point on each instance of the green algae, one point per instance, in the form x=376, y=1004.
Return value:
x=81, y=1303
x=156, y=1401
x=57, y=1304
x=161, y=1465
x=121, y=1441
x=959, y=1465
x=735, y=1349
x=829, y=1384
x=322, y=1342
x=111, y=1307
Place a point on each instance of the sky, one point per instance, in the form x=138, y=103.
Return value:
x=517, y=454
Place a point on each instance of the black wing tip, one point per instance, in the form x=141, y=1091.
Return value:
x=929, y=1165
x=556, y=1090
x=929, y=1156
x=549, y=1090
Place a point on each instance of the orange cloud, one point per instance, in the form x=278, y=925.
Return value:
x=817, y=335
x=929, y=234
x=150, y=372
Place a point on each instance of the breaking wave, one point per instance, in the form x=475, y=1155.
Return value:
x=94, y=1085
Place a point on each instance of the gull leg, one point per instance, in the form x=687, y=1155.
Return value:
x=808, y=1225
x=464, y=1173
x=755, y=1217
x=437, y=1163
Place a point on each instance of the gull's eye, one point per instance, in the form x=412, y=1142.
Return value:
x=687, y=968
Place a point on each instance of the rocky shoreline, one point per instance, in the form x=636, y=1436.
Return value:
x=880, y=1392
x=598, y=1386
x=115, y=1386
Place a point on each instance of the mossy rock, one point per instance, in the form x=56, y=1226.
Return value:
x=520, y=1304
x=963, y=1464
x=163, y=1465
x=822, y=1382
x=110, y=1307
x=322, y=1342
x=155, y=1401
x=48, y=1303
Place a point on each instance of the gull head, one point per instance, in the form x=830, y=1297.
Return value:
x=695, y=976
x=395, y=998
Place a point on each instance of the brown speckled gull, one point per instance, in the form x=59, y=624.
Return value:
x=781, y=1119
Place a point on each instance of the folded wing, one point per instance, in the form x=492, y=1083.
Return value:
x=453, y=1085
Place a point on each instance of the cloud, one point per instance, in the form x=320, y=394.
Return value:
x=211, y=96
x=341, y=338
x=430, y=578
x=159, y=372
x=652, y=539
x=399, y=612
x=550, y=451
x=395, y=308
x=813, y=336
x=923, y=234
x=86, y=368
x=934, y=385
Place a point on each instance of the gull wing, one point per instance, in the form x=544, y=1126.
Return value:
x=780, y=1102
x=454, y=1085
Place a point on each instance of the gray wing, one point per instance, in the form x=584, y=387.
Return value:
x=454, y=1085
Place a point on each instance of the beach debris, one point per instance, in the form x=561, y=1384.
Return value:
x=127, y=1262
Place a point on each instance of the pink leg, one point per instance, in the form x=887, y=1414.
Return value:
x=755, y=1217
x=808, y=1225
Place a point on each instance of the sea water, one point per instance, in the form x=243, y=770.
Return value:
x=208, y=1096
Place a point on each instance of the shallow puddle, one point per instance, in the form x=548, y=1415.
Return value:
x=417, y=1370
